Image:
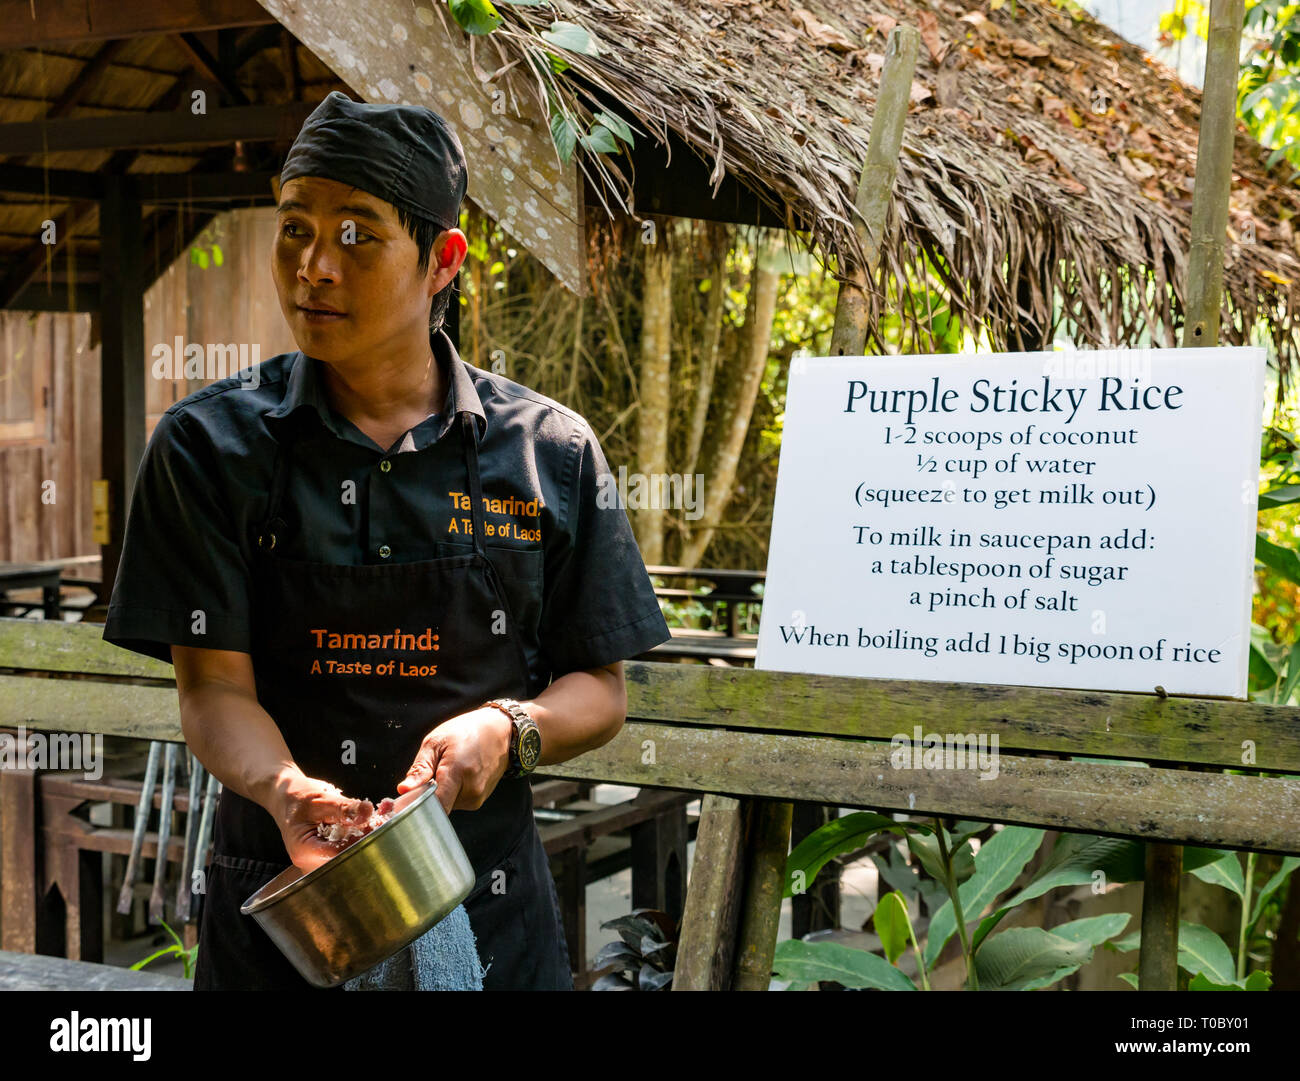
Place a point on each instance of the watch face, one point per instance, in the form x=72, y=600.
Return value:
x=530, y=748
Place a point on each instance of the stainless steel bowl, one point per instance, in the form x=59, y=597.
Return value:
x=374, y=898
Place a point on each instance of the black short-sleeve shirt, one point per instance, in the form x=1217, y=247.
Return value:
x=577, y=583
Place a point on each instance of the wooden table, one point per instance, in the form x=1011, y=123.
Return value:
x=37, y=972
x=32, y=576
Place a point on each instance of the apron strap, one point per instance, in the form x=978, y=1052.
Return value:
x=475, y=485
x=273, y=524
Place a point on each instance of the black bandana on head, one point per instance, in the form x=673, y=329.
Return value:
x=404, y=154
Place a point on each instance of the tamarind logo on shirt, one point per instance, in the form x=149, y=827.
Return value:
x=399, y=640
x=511, y=507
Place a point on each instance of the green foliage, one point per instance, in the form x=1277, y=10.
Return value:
x=1020, y=958
x=475, y=16
x=175, y=949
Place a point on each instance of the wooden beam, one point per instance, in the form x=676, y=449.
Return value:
x=1139, y=727
x=178, y=127
x=208, y=66
x=37, y=298
x=230, y=186
x=84, y=80
x=24, y=25
x=1214, y=810
x=18, y=277
x=68, y=184
x=57, y=184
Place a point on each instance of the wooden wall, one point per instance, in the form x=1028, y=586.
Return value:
x=49, y=380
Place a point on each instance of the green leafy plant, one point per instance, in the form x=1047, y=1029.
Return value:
x=974, y=895
x=644, y=956
x=176, y=948
x=606, y=130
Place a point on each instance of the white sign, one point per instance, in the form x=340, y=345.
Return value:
x=1068, y=519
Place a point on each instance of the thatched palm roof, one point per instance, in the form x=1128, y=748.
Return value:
x=1044, y=156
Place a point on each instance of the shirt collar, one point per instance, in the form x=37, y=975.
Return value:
x=305, y=391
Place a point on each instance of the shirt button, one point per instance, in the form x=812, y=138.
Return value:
x=384, y=551
x=385, y=466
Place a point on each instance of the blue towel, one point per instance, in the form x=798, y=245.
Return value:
x=444, y=958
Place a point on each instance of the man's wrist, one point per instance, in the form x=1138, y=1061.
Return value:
x=506, y=726
x=524, y=743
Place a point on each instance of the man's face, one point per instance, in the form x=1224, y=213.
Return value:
x=346, y=274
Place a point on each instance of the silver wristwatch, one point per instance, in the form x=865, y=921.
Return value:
x=526, y=740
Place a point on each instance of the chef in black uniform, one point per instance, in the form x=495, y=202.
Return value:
x=373, y=564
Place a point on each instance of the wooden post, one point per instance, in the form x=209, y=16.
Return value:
x=875, y=188
x=1213, y=174
x=768, y=839
x=713, y=898
x=768, y=847
x=121, y=359
x=1158, y=961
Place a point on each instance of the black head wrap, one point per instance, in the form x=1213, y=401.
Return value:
x=404, y=154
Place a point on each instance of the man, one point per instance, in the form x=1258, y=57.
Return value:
x=375, y=564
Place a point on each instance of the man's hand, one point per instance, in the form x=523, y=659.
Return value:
x=467, y=755
x=302, y=803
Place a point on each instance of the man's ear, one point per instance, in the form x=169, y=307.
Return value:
x=450, y=249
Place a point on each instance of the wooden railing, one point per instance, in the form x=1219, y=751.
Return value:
x=753, y=740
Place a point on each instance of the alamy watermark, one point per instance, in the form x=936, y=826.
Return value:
x=216, y=360
x=948, y=750
x=69, y=751
x=652, y=491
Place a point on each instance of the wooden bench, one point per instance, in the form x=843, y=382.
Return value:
x=752, y=741
x=36, y=972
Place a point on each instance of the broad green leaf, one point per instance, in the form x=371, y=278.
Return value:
x=807, y=962
x=1130, y=978
x=1012, y=960
x=1092, y=931
x=1279, y=497
x=1283, y=560
x=1075, y=859
x=999, y=861
x=217, y=257
x=475, y=16
x=1226, y=872
x=565, y=134
x=926, y=850
x=600, y=140
x=846, y=834
x=1292, y=675
x=891, y=923
x=571, y=36
x=616, y=124
x=1259, y=980
x=898, y=875
x=1289, y=864
x=1256, y=981
x=1201, y=950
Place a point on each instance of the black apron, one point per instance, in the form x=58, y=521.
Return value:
x=362, y=732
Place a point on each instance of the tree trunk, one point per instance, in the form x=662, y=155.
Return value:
x=653, y=391
x=718, y=283
x=723, y=457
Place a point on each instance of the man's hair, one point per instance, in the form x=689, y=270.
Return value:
x=424, y=231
